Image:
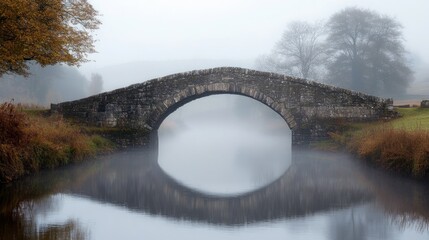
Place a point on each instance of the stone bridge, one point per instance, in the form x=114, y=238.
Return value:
x=310, y=109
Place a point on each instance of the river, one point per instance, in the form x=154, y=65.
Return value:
x=221, y=167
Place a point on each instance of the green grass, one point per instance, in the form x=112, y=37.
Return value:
x=412, y=119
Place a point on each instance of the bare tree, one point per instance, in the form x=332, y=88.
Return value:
x=272, y=63
x=367, y=52
x=300, y=52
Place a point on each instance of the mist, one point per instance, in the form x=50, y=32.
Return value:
x=122, y=75
x=46, y=85
x=140, y=40
x=224, y=145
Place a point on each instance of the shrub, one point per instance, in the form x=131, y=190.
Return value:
x=12, y=138
x=12, y=123
x=30, y=142
x=395, y=149
x=10, y=163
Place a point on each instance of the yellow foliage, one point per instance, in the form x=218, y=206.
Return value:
x=45, y=31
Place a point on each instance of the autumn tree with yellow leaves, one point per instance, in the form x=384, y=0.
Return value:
x=45, y=31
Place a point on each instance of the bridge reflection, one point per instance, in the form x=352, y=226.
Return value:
x=302, y=190
x=135, y=181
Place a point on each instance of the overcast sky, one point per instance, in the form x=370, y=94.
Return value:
x=147, y=30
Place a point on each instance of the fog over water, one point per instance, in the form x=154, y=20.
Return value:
x=221, y=167
x=229, y=144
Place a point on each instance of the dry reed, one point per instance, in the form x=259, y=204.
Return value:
x=30, y=142
x=399, y=150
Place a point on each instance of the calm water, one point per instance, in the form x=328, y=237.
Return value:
x=222, y=168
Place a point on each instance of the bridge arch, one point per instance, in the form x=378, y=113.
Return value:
x=188, y=94
x=309, y=108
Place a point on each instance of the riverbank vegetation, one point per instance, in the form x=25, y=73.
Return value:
x=400, y=145
x=32, y=140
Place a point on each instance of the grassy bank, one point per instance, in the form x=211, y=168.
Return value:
x=400, y=145
x=31, y=141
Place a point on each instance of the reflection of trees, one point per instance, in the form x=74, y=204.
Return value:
x=22, y=201
x=40, y=186
x=69, y=230
x=21, y=223
x=404, y=200
x=18, y=227
x=360, y=223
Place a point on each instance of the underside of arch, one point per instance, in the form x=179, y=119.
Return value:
x=182, y=97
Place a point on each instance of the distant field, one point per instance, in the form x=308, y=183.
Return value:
x=412, y=119
x=411, y=102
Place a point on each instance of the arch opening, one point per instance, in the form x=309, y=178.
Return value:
x=181, y=98
x=224, y=145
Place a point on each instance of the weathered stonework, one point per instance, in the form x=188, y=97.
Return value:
x=307, y=107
